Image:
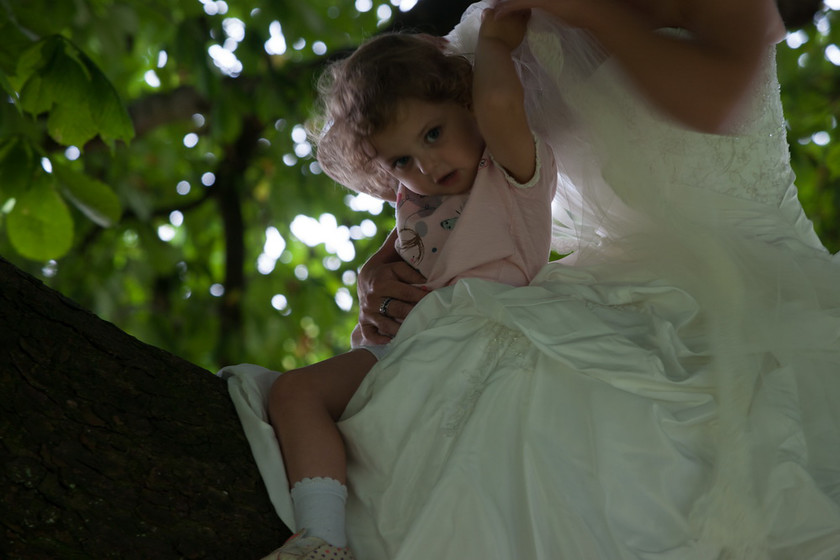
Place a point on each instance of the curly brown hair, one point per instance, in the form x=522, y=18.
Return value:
x=361, y=94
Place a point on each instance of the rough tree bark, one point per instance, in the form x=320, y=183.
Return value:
x=111, y=448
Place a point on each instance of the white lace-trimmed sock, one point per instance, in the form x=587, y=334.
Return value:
x=319, y=507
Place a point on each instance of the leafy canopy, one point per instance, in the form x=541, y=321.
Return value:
x=155, y=168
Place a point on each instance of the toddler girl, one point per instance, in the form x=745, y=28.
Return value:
x=448, y=141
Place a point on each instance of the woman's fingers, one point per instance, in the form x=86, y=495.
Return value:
x=380, y=282
x=385, y=315
x=393, y=279
x=368, y=335
x=391, y=282
x=380, y=326
x=396, y=310
x=405, y=289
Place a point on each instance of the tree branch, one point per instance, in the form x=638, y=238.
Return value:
x=111, y=448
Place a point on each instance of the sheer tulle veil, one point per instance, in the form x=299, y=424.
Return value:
x=640, y=197
x=666, y=390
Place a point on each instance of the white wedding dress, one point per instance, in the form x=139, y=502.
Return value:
x=670, y=391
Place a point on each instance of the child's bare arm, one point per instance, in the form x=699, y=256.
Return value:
x=498, y=99
x=701, y=82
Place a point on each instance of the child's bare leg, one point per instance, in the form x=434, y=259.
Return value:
x=304, y=406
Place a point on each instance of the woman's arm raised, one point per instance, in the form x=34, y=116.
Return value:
x=701, y=81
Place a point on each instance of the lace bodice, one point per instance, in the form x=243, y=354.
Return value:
x=623, y=157
x=752, y=163
x=622, y=162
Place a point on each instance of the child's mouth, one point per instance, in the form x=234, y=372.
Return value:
x=447, y=179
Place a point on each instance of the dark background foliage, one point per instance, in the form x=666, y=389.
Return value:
x=153, y=165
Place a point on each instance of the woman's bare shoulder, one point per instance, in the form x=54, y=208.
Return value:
x=729, y=21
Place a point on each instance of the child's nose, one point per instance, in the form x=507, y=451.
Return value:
x=426, y=165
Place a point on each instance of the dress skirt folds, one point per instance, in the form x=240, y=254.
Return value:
x=671, y=390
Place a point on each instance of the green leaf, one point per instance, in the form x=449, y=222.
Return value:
x=35, y=97
x=81, y=101
x=58, y=77
x=43, y=16
x=832, y=160
x=106, y=108
x=17, y=164
x=71, y=125
x=94, y=198
x=13, y=45
x=35, y=58
x=68, y=78
x=40, y=226
x=9, y=90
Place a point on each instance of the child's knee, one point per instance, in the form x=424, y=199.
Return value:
x=289, y=389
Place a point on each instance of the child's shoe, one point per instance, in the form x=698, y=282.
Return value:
x=301, y=547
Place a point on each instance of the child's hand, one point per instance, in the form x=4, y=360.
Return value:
x=508, y=28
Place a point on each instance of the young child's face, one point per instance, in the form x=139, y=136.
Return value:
x=431, y=148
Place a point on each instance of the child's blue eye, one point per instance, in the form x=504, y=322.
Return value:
x=400, y=162
x=433, y=134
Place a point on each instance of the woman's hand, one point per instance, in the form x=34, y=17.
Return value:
x=704, y=82
x=383, y=277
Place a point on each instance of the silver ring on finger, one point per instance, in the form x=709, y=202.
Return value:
x=383, y=309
